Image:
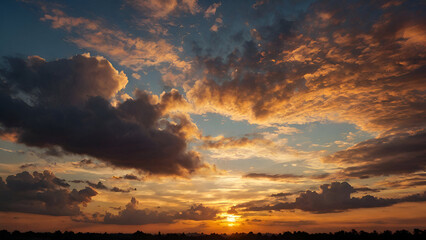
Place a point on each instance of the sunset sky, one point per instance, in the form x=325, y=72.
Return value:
x=212, y=116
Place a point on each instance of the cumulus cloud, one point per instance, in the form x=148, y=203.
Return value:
x=335, y=197
x=81, y=120
x=42, y=193
x=64, y=81
x=131, y=215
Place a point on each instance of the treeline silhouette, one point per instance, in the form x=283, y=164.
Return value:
x=397, y=235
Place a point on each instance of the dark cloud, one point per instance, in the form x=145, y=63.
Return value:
x=64, y=103
x=89, y=163
x=127, y=177
x=282, y=195
x=78, y=181
x=131, y=177
x=98, y=185
x=335, y=197
x=405, y=181
x=101, y=186
x=64, y=81
x=395, y=154
x=197, y=213
x=131, y=215
x=28, y=165
x=116, y=189
x=42, y=193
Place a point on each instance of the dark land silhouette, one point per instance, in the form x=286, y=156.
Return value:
x=58, y=235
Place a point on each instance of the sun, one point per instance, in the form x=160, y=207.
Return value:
x=230, y=220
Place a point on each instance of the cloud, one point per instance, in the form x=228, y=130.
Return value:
x=42, y=193
x=81, y=77
x=101, y=186
x=282, y=195
x=133, y=52
x=116, y=189
x=232, y=142
x=198, y=213
x=336, y=197
x=273, y=176
x=259, y=145
x=394, y=154
x=81, y=120
x=128, y=177
x=404, y=181
x=88, y=163
x=136, y=76
x=165, y=9
x=286, y=177
x=294, y=71
x=98, y=185
x=325, y=65
x=131, y=215
x=211, y=10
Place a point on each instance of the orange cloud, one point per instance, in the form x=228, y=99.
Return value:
x=133, y=52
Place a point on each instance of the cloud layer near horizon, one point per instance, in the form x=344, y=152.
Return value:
x=334, y=197
x=42, y=193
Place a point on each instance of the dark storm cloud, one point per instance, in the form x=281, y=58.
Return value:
x=335, y=197
x=394, y=154
x=131, y=215
x=70, y=109
x=42, y=193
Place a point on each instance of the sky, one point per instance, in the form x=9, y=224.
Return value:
x=212, y=116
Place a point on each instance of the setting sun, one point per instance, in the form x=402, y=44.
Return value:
x=230, y=220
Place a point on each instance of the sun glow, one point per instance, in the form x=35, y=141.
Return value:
x=230, y=220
